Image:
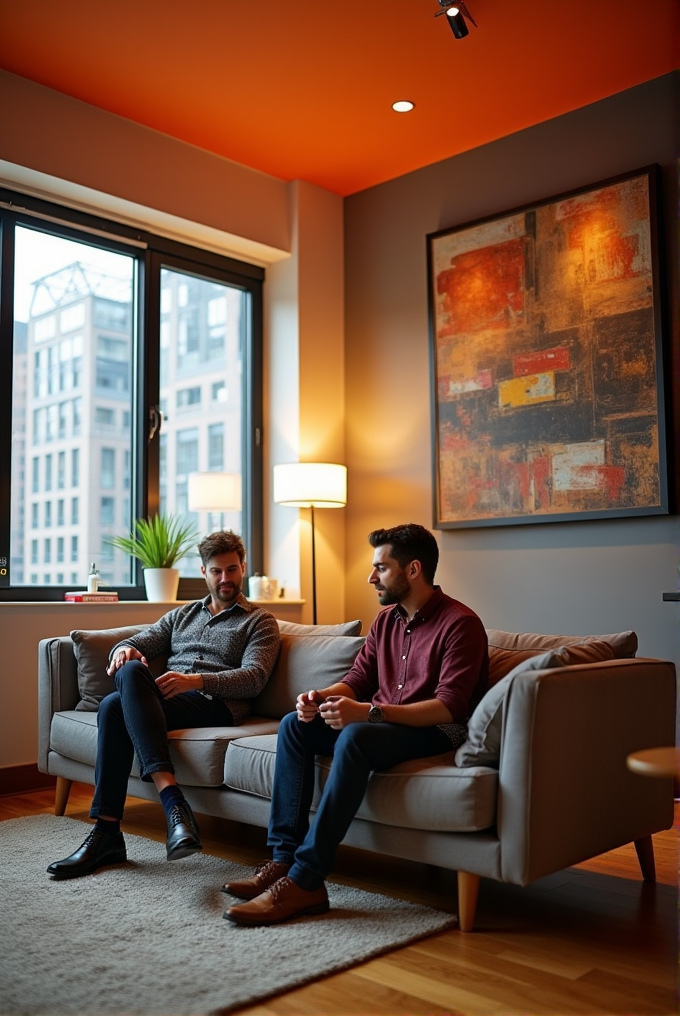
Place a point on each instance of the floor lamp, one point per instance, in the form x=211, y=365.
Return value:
x=311, y=485
x=214, y=492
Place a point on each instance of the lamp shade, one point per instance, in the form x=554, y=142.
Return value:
x=311, y=484
x=214, y=492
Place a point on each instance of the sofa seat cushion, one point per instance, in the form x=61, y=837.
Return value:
x=430, y=793
x=197, y=754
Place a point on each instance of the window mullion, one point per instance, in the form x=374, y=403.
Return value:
x=6, y=371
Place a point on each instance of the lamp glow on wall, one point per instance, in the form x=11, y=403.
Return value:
x=311, y=485
x=215, y=492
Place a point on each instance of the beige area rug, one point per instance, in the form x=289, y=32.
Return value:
x=148, y=937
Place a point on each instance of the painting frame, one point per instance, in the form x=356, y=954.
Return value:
x=548, y=347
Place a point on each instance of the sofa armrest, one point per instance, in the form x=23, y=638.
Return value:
x=565, y=793
x=57, y=688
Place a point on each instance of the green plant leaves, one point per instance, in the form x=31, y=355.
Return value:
x=158, y=542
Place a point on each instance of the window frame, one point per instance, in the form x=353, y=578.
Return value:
x=152, y=253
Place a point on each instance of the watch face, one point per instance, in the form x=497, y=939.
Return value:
x=375, y=714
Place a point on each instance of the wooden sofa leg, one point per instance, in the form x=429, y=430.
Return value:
x=468, y=892
x=61, y=794
x=644, y=848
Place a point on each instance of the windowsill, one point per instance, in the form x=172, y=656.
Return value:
x=278, y=602
x=90, y=603
x=122, y=603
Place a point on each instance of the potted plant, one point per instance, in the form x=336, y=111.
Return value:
x=158, y=542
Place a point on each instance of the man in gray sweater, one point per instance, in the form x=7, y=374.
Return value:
x=221, y=651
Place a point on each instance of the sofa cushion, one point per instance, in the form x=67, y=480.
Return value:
x=74, y=735
x=508, y=649
x=502, y=661
x=197, y=754
x=92, y=650
x=347, y=628
x=428, y=793
x=483, y=744
x=249, y=765
x=305, y=663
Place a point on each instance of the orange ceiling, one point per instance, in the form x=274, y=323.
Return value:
x=303, y=88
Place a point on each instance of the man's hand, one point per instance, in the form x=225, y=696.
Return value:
x=123, y=655
x=172, y=683
x=307, y=705
x=338, y=711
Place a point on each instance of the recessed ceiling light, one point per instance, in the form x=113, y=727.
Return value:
x=403, y=106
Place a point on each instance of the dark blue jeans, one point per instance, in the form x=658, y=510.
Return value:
x=357, y=750
x=136, y=719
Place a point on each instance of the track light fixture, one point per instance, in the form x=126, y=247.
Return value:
x=456, y=13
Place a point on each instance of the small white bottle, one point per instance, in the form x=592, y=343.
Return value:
x=93, y=579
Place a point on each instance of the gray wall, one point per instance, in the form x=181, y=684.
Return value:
x=572, y=578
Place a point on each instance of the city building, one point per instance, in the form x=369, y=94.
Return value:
x=74, y=385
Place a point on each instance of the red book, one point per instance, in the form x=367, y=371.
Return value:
x=84, y=597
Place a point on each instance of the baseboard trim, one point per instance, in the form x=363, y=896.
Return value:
x=23, y=779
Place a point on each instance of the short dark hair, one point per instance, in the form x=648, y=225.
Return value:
x=409, y=542
x=223, y=542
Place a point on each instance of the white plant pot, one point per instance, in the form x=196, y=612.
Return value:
x=161, y=584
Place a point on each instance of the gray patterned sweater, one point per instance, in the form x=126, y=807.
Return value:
x=234, y=651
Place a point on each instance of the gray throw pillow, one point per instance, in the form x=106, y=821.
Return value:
x=483, y=745
x=92, y=650
x=347, y=628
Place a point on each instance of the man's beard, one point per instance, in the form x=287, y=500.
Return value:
x=400, y=587
x=227, y=594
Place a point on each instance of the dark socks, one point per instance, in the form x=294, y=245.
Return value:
x=108, y=826
x=170, y=797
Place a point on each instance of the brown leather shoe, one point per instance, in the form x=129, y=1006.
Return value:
x=281, y=901
x=265, y=874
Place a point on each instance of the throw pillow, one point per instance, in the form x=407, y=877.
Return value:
x=305, y=663
x=624, y=644
x=92, y=650
x=502, y=661
x=483, y=745
x=347, y=628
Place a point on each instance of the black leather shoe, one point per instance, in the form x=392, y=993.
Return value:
x=183, y=838
x=99, y=849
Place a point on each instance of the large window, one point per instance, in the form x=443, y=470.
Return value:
x=135, y=361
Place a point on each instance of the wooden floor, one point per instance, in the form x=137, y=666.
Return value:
x=589, y=940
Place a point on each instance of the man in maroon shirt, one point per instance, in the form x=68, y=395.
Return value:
x=422, y=670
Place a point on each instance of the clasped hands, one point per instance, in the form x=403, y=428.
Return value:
x=336, y=710
x=170, y=684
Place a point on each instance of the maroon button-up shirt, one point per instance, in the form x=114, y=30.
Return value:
x=442, y=653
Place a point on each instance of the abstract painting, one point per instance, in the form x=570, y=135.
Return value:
x=547, y=361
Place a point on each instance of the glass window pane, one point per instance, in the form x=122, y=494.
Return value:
x=72, y=403
x=201, y=370
x=215, y=447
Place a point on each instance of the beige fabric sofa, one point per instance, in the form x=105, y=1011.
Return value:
x=551, y=790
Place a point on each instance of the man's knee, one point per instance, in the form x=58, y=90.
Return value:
x=292, y=730
x=132, y=671
x=312, y=736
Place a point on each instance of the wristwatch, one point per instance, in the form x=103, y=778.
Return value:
x=376, y=715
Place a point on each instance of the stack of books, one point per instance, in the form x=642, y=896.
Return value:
x=82, y=596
